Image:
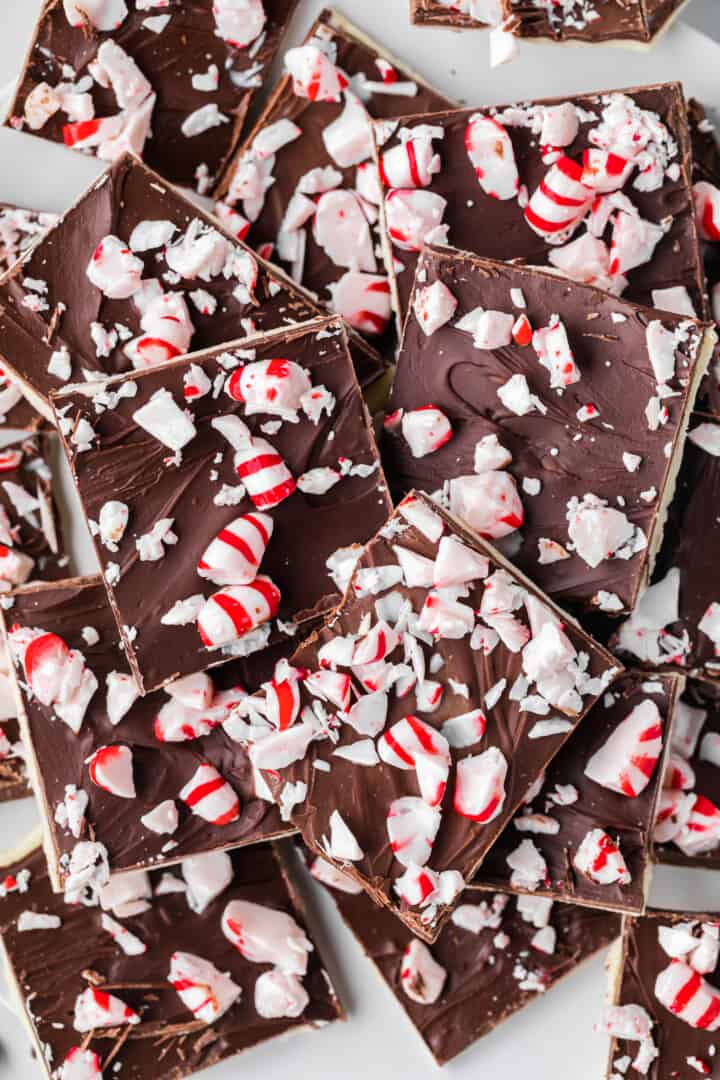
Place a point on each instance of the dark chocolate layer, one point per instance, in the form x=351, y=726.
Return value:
x=13, y=777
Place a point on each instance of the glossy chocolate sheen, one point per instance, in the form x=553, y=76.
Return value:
x=699, y=694
x=51, y=967
x=482, y=985
x=642, y=961
x=161, y=769
x=497, y=228
x=187, y=46
x=355, y=57
x=569, y=457
x=363, y=795
x=122, y=198
x=128, y=463
x=37, y=531
x=628, y=821
x=13, y=777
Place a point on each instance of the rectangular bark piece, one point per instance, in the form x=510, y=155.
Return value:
x=173, y=85
x=13, y=775
x=48, y=968
x=497, y=165
x=489, y=951
x=636, y=713
x=657, y=984
x=380, y=87
x=220, y=292
x=547, y=454
x=298, y=394
x=413, y=825
x=167, y=738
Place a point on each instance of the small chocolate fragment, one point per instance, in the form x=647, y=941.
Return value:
x=172, y=85
x=31, y=541
x=469, y=680
x=19, y=229
x=607, y=777
x=497, y=954
x=13, y=776
x=74, y=970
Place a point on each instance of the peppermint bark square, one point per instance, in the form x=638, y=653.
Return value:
x=494, y=956
x=261, y=456
x=635, y=23
x=408, y=730
x=664, y=993
x=687, y=828
x=303, y=185
x=584, y=834
x=150, y=780
x=173, y=85
x=172, y=973
x=134, y=275
x=676, y=621
x=596, y=186
x=549, y=415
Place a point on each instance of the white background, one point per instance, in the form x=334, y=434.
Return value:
x=553, y=1038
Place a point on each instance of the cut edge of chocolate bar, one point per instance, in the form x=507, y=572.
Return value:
x=677, y=681
x=447, y=19
x=35, y=773
x=706, y=347
x=43, y=404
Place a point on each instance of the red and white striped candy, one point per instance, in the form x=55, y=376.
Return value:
x=412, y=826
x=412, y=744
x=425, y=430
x=233, y=220
x=196, y=690
x=111, y=768
x=376, y=644
x=628, y=758
x=706, y=198
x=554, y=353
x=271, y=386
x=363, y=300
x=264, y=935
x=102, y=14
x=413, y=216
x=410, y=164
x=282, y=697
x=96, y=1008
x=688, y=996
x=207, y=876
x=81, y=1065
x=600, y=859
x=489, y=503
x=282, y=748
x=234, y=556
x=168, y=332
x=586, y=259
x=205, y=991
x=480, y=785
x=114, y=269
x=457, y=564
x=491, y=154
x=278, y=994
x=177, y=722
x=604, y=171
x=236, y=610
x=672, y=813
x=332, y=686
x=560, y=202
x=444, y=617
x=633, y=242
x=342, y=230
x=701, y=832
x=264, y=473
x=434, y=305
x=679, y=774
x=421, y=977
x=45, y=658
x=15, y=567
x=465, y=729
x=211, y=797
x=239, y=22
x=314, y=75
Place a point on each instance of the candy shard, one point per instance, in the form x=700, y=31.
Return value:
x=480, y=785
x=600, y=858
x=625, y=763
x=412, y=826
x=279, y=994
x=205, y=991
x=684, y=992
x=421, y=977
x=266, y=936
x=236, y=611
x=491, y=154
x=95, y=1008
x=209, y=796
x=234, y=556
x=111, y=768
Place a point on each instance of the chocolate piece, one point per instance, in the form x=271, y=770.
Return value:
x=31, y=541
x=49, y=968
x=548, y=463
x=470, y=701
x=174, y=85
x=168, y=738
x=497, y=953
x=192, y=486
x=495, y=179
x=13, y=777
x=608, y=776
x=705, y=147
x=45, y=346
x=706, y=170
x=458, y=14
x=690, y=799
x=665, y=997
x=379, y=86
x=675, y=621
x=18, y=230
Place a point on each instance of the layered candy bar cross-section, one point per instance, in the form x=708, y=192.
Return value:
x=222, y=491
x=405, y=733
x=170, y=974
